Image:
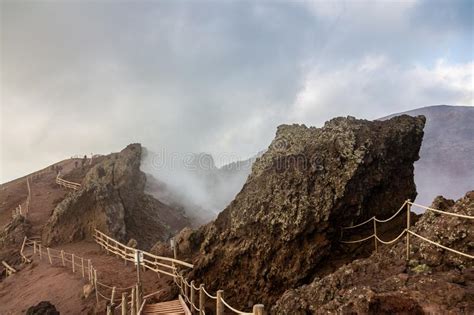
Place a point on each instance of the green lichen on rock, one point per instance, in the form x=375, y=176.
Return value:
x=309, y=183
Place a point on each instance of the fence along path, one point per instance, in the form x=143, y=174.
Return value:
x=119, y=297
x=193, y=295
x=23, y=211
x=67, y=184
x=407, y=232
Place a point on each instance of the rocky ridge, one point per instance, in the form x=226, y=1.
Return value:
x=284, y=224
x=112, y=199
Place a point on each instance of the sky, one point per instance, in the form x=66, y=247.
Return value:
x=82, y=77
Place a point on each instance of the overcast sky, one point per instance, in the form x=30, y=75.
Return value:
x=216, y=76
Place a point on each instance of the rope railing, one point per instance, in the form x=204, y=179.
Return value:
x=407, y=230
x=156, y=263
x=441, y=246
x=67, y=184
x=374, y=218
x=9, y=270
x=84, y=266
x=220, y=303
x=442, y=212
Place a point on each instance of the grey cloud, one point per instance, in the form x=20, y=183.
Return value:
x=197, y=76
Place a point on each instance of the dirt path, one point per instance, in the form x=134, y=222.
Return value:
x=40, y=281
x=45, y=194
x=11, y=195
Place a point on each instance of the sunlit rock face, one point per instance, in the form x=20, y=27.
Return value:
x=284, y=223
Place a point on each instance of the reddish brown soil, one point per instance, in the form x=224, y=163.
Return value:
x=40, y=281
x=11, y=195
x=45, y=193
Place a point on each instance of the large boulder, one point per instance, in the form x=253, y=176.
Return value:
x=286, y=220
x=112, y=199
x=42, y=308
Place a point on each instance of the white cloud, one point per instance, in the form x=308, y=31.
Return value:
x=376, y=86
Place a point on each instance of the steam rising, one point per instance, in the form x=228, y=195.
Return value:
x=193, y=183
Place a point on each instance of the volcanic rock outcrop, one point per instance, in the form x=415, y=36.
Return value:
x=15, y=231
x=112, y=199
x=311, y=181
x=435, y=281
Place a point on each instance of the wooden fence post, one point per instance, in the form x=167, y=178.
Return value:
x=89, y=268
x=73, y=264
x=182, y=284
x=202, y=299
x=375, y=234
x=408, y=228
x=62, y=258
x=40, y=251
x=49, y=256
x=186, y=290
x=258, y=309
x=133, y=308
x=23, y=245
x=95, y=286
x=138, y=300
x=219, y=304
x=34, y=247
x=192, y=296
x=124, y=303
x=112, y=297
x=82, y=267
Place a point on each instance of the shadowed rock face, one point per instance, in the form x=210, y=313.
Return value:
x=283, y=224
x=433, y=282
x=112, y=199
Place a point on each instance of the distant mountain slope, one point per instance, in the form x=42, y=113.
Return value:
x=446, y=165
